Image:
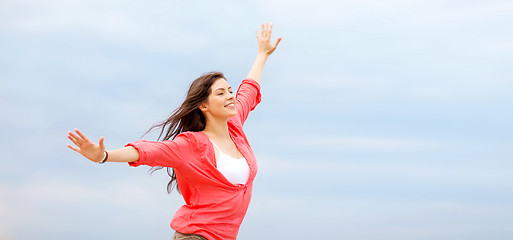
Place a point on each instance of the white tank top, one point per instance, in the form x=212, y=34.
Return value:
x=235, y=170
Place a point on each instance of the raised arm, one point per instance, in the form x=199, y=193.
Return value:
x=97, y=153
x=265, y=49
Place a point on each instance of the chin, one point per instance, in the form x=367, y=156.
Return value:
x=232, y=113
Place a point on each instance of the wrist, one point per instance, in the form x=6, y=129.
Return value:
x=105, y=157
x=262, y=55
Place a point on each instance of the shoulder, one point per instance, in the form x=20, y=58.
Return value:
x=197, y=143
x=189, y=135
x=250, y=82
x=194, y=139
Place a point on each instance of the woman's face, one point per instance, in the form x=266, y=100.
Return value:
x=220, y=102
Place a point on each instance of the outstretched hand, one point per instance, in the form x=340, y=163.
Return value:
x=264, y=40
x=86, y=147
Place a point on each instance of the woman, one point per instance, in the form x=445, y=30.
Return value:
x=205, y=145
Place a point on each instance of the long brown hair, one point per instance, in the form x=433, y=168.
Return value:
x=188, y=117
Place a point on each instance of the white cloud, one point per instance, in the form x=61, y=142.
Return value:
x=308, y=13
x=416, y=170
x=406, y=13
x=383, y=68
x=56, y=199
x=156, y=26
x=460, y=13
x=388, y=219
x=360, y=142
x=449, y=84
x=330, y=87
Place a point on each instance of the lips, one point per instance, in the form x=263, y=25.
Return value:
x=232, y=104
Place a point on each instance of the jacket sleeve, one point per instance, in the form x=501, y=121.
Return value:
x=170, y=153
x=248, y=97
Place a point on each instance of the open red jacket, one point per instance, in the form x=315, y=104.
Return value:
x=214, y=207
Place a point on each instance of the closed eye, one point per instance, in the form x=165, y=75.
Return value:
x=220, y=91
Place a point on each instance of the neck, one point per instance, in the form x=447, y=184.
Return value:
x=217, y=128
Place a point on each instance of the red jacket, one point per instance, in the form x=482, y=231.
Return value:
x=214, y=207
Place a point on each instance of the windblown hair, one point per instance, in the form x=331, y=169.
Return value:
x=188, y=117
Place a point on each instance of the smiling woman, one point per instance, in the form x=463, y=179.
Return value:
x=205, y=150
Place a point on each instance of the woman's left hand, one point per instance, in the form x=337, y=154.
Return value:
x=264, y=40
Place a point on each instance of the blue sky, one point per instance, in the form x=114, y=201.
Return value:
x=379, y=119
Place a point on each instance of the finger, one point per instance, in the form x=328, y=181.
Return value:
x=267, y=30
x=263, y=30
x=101, y=143
x=82, y=135
x=74, y=148
x=73, y=139
x=258, y=37
x=71, y=134
x=276, y=44
x=76, y=139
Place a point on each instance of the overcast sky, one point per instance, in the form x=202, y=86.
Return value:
x=379, y=119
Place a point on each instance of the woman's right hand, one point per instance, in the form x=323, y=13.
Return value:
x=86, y=147
x=264, y=40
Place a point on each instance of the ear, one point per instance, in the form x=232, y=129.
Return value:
x=203, y=107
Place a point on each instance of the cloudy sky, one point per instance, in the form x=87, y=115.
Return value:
x=379, y=120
